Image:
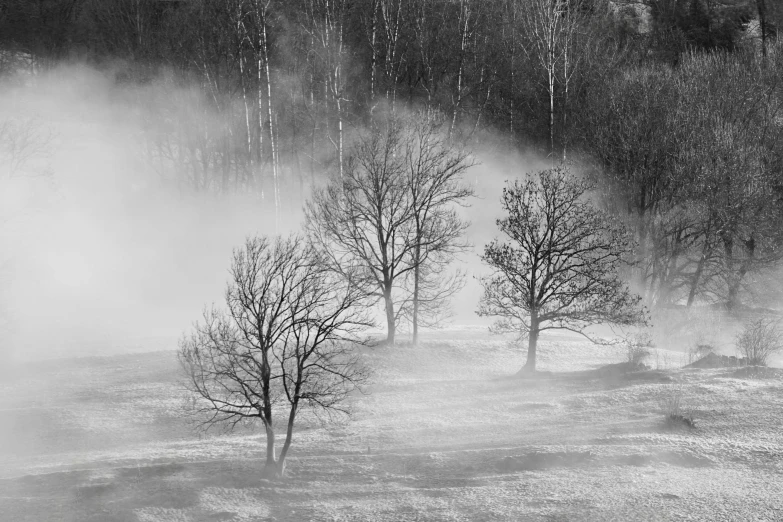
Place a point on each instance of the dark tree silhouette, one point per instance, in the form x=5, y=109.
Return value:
x=364, y=219
x=560, y=269
x=284, y=342
x=434, y=169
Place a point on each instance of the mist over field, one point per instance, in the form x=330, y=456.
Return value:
x=109, y=255
x=106, y=256
x=391, y=260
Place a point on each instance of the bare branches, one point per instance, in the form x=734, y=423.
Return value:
x=434, y=170
x=561, y=267
x=20, y=142
x=285, y=339
x=363, y=219
x=393, y=213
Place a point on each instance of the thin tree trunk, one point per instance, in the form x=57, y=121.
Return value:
x=697, y=273
x=513, y=65
x=339, y=137
x=416, y=276
x=762, y=12
x=532, y=344
x=552, y=113
x=260, y=124
x=270, y=116
x=270, y=466
x=289, y=433
x=374, y=63
x=731, y=279
x=641, y=258
x=565, y=99
x=463, y=44
x=736, y=281
x=390, y=320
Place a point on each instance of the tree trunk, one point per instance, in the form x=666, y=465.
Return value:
x=733, y=301
x=270, y=466
x=564, y=108
x=272, y=142
x=732, y=281
x=463, y=45
x=374, y=59
x=762, y=12
x=697, y=273
x=340, y=137
x=532, y=343
x=288, y=437
x=390, y=322
x=513, y=65
x=641, y=257
x=416, y=275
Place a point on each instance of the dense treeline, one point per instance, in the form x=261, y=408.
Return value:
x=671, y=104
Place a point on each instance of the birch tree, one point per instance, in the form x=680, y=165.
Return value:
x=552, y=26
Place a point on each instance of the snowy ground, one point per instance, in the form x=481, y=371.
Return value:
x=445, y=434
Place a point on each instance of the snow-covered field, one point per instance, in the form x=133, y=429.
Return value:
x=444, y=434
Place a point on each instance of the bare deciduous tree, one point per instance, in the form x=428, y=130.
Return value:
x=284, y=342
x=552, y=26
x=560, y=268
x=393, y=213
x=759, y=340
x=434, y=177
x=20, y=142
x=364, y=218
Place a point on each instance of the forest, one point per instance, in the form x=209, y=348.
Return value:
x=670, y=106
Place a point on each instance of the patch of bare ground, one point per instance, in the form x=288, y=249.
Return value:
x=444, y=435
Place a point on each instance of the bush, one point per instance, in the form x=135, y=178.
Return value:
x=759, y=340
x=675, y=413
x=638, y=349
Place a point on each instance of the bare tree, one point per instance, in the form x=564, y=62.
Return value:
x=364, y=218
x=759, y=340
x=560, y=269
x=284, y=342
x=21, y=141
x=23, y=144
x=733, y=156
x=394, y=213
x=325, y=23
x=434, y=169
x=552, y=26
x=634, y=137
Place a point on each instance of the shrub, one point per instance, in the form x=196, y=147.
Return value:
x=759, y=340
x=638, y=349
x=671, y=403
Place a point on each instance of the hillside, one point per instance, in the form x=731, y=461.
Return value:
x=443, y=434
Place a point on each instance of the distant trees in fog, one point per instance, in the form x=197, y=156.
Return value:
x=675, y=105
x=393, y=215
x=283, y=344
x=691, y=157
x=23, y=143
x=560, y=265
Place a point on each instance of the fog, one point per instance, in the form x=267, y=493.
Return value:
x=103, y=257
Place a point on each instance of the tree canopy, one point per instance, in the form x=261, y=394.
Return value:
x=560, y=267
